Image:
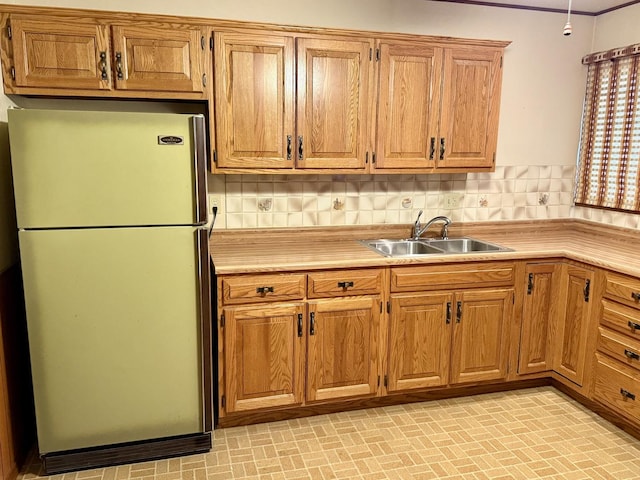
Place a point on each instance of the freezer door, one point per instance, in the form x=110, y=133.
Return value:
x=80, y=168
x=114, y=328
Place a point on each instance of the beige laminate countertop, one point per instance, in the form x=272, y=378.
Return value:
x=255, y=251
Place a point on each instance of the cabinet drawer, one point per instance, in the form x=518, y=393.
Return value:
x=618, y=386
x=461, y=275
x=263, y=288
x=344, y=282
x=621, y=318
x=623, y=289
x=620, y=347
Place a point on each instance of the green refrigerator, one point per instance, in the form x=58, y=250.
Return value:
x=111, y=211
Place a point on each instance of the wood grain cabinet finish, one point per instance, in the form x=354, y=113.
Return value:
x=617, y=384
x=263, y=288
x=342, y=283
x=342, y=348
x=573, y=331
x=438, y=106
x=539, y=317
x=255, y=100
x=264, y=351
x=75, y=56
x=59, y=54
x=451, y=328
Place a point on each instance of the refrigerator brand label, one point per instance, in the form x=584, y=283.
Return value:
x=170, y=140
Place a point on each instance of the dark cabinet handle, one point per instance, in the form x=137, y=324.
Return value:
x=300, y=325
x=633, y=325
x=458, y=312
x=300, y=148
x=635, y=296
x=312, y=323
x=442, y=148
x=448, y=313
x=264, y=290
x=631, y=355
x=103, y=65
x=119, y=66
x=432, y=148
x=345, y=285
x=627, y=394
x=587, y=289
x=530, y=284
x=289, y=147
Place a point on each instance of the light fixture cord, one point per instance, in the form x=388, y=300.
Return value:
x=569, y=12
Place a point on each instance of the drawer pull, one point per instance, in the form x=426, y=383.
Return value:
x=631, y=355
x=627, y=394
x=345, y=285
x=635, y=296
x=264, y=290
x=635, y=326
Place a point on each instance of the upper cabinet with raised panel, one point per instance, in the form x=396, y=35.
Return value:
x=88, y=56
x=259, y=79
x=437, y=106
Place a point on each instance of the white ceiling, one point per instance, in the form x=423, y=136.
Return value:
x=592, y=7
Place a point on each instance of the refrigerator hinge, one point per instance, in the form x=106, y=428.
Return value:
x=13, y=73
x=223, y=401
x=386, y=381
x=9, y=32
x=222, y=320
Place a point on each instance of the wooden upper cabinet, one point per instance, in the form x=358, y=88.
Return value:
x=254, y=100
x=77, y=56
x=470, y=102
x=158, y=58
x=59, y=54
x=480, y=335
x=333, y=97
x=408, y=105
x=342, y=348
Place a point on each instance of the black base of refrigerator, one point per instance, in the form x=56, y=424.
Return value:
x=118, y=454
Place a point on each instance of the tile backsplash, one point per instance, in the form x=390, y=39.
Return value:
x=509, y=193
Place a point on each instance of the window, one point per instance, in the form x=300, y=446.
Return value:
x=609, y=159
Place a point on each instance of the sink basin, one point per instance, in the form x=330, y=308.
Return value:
x=401, y=248
x=414, y=248
x=466, y=245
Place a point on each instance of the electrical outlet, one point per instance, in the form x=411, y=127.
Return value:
x=215, y=201
x=452, y=200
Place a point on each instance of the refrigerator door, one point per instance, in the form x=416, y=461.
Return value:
x=88, y=169
x=115, y=334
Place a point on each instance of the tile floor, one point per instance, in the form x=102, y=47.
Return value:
x=524, y=434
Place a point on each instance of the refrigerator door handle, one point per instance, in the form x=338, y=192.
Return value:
x=200, y=169
x=204, y=279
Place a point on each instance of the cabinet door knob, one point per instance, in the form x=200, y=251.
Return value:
x=312, y=323
x=119, y=73
x=458, y=312
x=530, y=284
x=448, y=313
x=300, y=325
x=300, y=148
x=289, y=147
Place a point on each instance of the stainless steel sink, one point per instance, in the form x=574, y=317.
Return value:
x=466, y=245
x=416, y=248
x=401, y=248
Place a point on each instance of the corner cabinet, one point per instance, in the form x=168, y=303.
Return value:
x=438, y=106
x=76, y=56
x=259, y=78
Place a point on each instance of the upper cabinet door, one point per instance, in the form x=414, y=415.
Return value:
x=333, y=103
x=408, y=105
x=158, y=58
x=71, y=54
x=470, y=103
x=254, y=100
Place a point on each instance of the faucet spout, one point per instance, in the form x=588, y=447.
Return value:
x=418, y=230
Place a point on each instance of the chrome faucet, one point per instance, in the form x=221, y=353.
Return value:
x=418, y=229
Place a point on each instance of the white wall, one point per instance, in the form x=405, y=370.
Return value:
x=617, y=29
